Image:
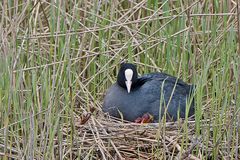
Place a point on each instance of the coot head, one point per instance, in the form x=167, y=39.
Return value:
x=127, y=76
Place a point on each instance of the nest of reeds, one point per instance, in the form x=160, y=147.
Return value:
x=105, y=137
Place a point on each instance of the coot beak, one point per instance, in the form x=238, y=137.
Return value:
x=128, y=84
x=128, y=77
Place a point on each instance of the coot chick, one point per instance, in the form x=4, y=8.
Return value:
x=131, y=96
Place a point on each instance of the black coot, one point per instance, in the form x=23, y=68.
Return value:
x=132, y=96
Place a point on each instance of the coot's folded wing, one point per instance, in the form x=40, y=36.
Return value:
x=169, y=80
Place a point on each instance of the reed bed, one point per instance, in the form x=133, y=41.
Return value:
x=57, y=59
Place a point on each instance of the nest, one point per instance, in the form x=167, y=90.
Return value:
x=104, y=137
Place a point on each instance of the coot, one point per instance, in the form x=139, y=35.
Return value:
x=132, y=96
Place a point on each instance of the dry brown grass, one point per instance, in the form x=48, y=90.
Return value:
x=54, y=53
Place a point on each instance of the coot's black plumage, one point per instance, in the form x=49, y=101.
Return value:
x=134, y=96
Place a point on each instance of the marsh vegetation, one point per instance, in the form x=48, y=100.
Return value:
x=57, y=58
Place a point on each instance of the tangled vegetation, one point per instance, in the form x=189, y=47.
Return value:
x=57, y=58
